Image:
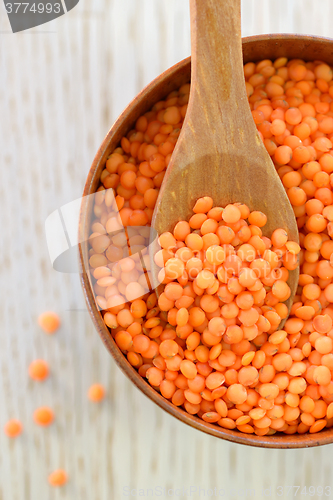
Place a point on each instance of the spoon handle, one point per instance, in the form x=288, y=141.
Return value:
x=218, y=86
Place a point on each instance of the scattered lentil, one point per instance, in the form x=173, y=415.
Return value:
x=58, y=478
x=39, y=370
x=13, y=428
x=49, y=321
x=96, y=393
x=43, y=416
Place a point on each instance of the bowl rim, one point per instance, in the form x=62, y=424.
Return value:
x=284, y=441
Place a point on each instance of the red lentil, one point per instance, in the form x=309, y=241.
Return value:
x=49, y=321
x=39, y=370
x=96, y=393
x=58, y=478
x=13, y=428
x=43, y=416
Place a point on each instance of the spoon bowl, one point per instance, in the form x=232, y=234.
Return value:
x=219, y=152
x=255, y=48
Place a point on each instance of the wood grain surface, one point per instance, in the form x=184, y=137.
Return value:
x=61, y=87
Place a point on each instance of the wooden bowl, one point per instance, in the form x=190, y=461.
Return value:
x=255, y=48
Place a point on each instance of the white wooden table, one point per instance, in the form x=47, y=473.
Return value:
x=61, y=87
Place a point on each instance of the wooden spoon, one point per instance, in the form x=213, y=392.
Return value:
x=219, y=152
